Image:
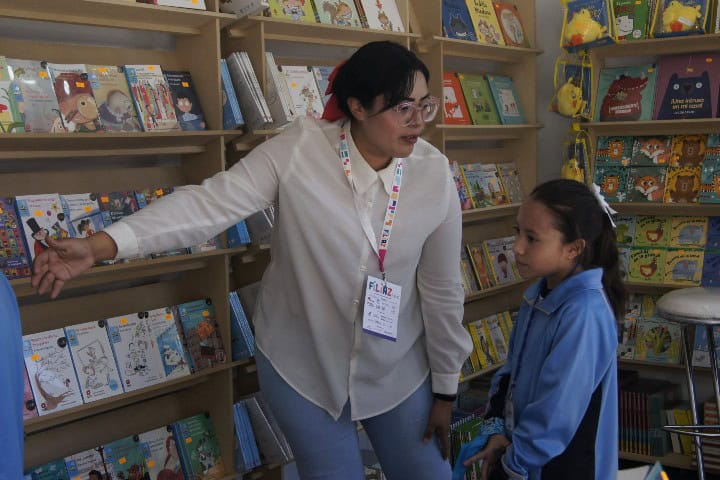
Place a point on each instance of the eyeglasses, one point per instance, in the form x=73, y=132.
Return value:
x=405, y=111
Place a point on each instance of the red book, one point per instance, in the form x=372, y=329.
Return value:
x=511, y=25
x=454, y=109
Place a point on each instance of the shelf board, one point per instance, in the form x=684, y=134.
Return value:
x=45, y=422
x=486, y=132
x=702, y=210
x=625, y=362
x=652, y=288
x=249, y=140
x=482, y=372
x=480, y=51
x=665, y=46
x=489, y=213
x=496, y=290
x=675, y=460
x=655, y=127
x=132, y=270
x=115, y=13
x=285, y=30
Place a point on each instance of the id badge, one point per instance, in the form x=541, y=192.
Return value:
x=509, y=412
x=382, y=308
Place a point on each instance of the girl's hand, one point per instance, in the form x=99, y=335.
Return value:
x=439, y=424
x=490, y=455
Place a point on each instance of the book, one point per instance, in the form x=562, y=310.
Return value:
x=456, y=21
x=188, y=110
x=342, y=13
x=166, y=335
x=247, y=455
x=382, y=15
x=41, y=216
x=244, y=8
x=113, y=98
x=252, y=106
x=647, y=265
x=470, y=283
x=322, y=78
x=242, y=340
x=479, y=99
x=688, y=231
x=162, y=460
x=652, y=231
x=39, y=105
x=14, y=260
x=632, y=19
x=711, y=269
x=126, y=458
x=624, y=262
x=463, y=194
x=277, y=95
x=152, y=98
x=612, y=180
x=654, y=150
x=710, y=175
x=485, y=22
x=194, y=4
x=633, y=313
x=683, y=266
x=658, y=341
x=614, y=150
x=200, y=329
x=491, y=325
x=267, y=434
x=701, y=350
x=683, y=185
x=511, y=182
x=501, y=258
x=454, y=110
x=687, y=86
x=82, y=465
x=713, y=233
x=54, y=470
x=625, y=93
x=94, y=362
x=78, y=109
x=301, y=84
x=646, y=184
x=625, y=229
x=83, y=215
x=586, y=24
x=484, y=185
x=688, y=150
x=50, y=370
x=198, y=448
x=11, y=118
x=136, y=351
x=117, y=205
x=232, y=116
x=511, y=25
x=145, y=197
x=506, y=99
x=29, y=406
x=481, y=268
x=238, y=235
x=297, y=10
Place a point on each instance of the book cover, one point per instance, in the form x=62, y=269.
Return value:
x=683, y=185
x=684, y=266
x=647, y=265
x=501, y=258
x=614, y=150
x=268, y=441
x=470, y=283
x=86, y=463
x=342, y=13
x=652, y=231
x=511, y=181
x=200, y=328
x=479, y=99
x=511, y=25
x=232, y=117
x=646, y=184
x=586, y=24
x=11, y=119
x=654, y=150
x=78, y=109
x=113, y=98
x=243, y=81
x=658, y=341
x=454, y=110
x=188, y=110
x=51, y=372
x=152, y=98
x=39, y=106
x=484, y=185
x=485, y=22
x=687, y=86
x=164, y=330
x=117, y=205
x=29, y=406
x=199, y=449
x=711, y=269
x=486, y=346
x=136, y=352
x=612, y=180
x=126, y=458
x=506, y=99
x=145, y=197
x=624, y=261
x=456, y=21
x=701, y=351
x=480, y=344
x=94, y=361
x=41, y=216
x=631, y=19
x=713, y=233
x=242, y=340
x=54, y=470
x=162, y=459
x=481, y=268
x=493, y=331
x=322, y=78
x=625, y=93
x=277, y=95
x=688, y=150
x=648, y=305
x=633, y=312
x=625, y=229
x=303, y=89
x=463, y=194
x=382, y=15
x=710, y=175
x=298, y=10
x=83, y=215
x=688, y=231
x=194, y=4
x=14, y=260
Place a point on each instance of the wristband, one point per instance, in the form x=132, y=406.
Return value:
x=445, y=397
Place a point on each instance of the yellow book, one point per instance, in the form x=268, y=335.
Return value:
x=473, y=356
x=485, y=21
x=298, y=10
x=684, y=266
x=480, y=342
x=494, y=335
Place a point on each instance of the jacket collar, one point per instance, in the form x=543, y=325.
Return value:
x=363, y=175
x=587, y=280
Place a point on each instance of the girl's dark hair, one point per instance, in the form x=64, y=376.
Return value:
x=578, y=215
x=377, y=68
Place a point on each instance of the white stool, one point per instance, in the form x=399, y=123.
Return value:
x=697, y=306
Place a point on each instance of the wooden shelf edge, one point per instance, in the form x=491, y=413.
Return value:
x=479, y=50
x=654, y=127
x=489, y=213
x=646, y=364
x=666, y=46
x=669, y=460
x=482, y=372
x=700, y=209
x=637, y=287
x=496, y=290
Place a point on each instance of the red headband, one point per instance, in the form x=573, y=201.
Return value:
x=332, y=110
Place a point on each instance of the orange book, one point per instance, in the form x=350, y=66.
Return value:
x=454, y=109
x=511, y=25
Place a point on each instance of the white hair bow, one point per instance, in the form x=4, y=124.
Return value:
x=604, y=204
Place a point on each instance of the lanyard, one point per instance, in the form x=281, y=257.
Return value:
x=392, y=202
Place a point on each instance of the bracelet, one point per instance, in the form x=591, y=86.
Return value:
x=445, y=397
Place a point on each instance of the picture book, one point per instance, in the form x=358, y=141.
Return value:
x=13, y=254
x=198, y=448
x=126, y=458
x=647, y=265
x=322, y=78
x=658, y=341
x=586, y=24
x=164, y=331
x=652, y=231
x=713, y=233
x=485, y=349
x=136, y=352
x=11, y=119
x=78, y=109
x=194, y=4
x=242, y=339
x=83, y=215
x=113, y=98
x=612, y=180
x=687, y=86
x=506, y=322
x=238, y=235
x=29, y=406
x=145, y=197
x=485, y=22
x=162, y=460
x=152, y=98
x=614, y=150
x=306, y=98
x=51, y=372
x=648, y=305
x=39, y=106
x=625, y=93
x=456, y=21
x=501, y=258
x=683, y=266
x=188, y=110
x=701, y=352
x=511, y=25
x=382, y=15
x=481, y=268
x=688, y=150
x=94, y=361
x=633, y=313
x=232, y=116
x=298, y=10
x=632, y=19
x=277, y=95
x=683, y=185
x=484, y=185
x=650, y=151
x=688, y=231
x=625, y=229
x=491, y=326
x=54, y=470
x=199, y=324
x=478, y=99
x=454, y=110
x=676, y=18
x=82, y=464
x=470, y=284
x=710, y=175
x=342, y=13
x=463, y=194
x=41, y=217
x=711, y=269
x=511, y=182
x=506, y=99
x=624, y=261
x=646, y=184
x=117, y=205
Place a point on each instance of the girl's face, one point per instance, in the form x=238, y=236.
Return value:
x=540, y=248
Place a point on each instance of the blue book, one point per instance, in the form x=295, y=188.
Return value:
x=701, y=351
x=126, y=457
x=243, y=340
x=54, y=470
x=238, y=235
x=456, y=21
x=711, y=269
x=322, y=76
x=713, y=234
x=506, y=99
x=232, y=117
x=202, y=337
x=198, y=448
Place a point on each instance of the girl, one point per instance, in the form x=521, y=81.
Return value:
x=558, y=390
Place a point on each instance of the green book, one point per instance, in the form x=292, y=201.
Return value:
x=479, y=100
x=631, y=19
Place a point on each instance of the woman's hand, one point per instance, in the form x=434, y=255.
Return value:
x=439, y=424
x=490, y=455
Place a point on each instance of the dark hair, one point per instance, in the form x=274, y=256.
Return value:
x=579, y=216
x=377, y=68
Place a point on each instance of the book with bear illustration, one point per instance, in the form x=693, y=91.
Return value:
x=687, y=86
x=683, y=185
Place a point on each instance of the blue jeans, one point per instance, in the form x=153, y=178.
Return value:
x=328, y=449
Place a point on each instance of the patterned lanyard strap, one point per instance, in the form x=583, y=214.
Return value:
x=392, y=202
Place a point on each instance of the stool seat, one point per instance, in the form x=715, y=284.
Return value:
x=697, y=305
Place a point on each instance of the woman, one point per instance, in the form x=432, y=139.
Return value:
x=343, y=187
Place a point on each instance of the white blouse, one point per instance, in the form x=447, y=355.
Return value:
x=308, y=320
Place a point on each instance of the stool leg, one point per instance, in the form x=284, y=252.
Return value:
x=713, y=363
x=687, y=352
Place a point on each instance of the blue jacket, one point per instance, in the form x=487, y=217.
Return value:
x=570, y=348
x=12, y=391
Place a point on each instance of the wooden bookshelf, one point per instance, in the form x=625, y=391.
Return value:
x=655, y=127
x=493, y=291
x=663, y=46
x=669, y=209
x=483, y=372
x=490, y=213
x=675, y=460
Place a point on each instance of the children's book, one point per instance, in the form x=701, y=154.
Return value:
x=152, y=98
x=232, y=117
x=485, y=21
x=194, y=4
x=277, y=95
x=94, y=361
x=145, y=197
x=652, y=231
x=42, y=216
x=652, y=151
x=200, y=328
x=342, y=13
x=83, y=215
x=625, y=229
x=137, y=353
x=479, y=99
x=126, y=458
x=381, y=15
x=684, y=266
x=51, y=372
x=506, y=99
x=586, y=24
x=298, y=10
x=688, y=231
x=454, y=110
x=188, y=110
x=164, y=330
x=612, y=180
x=54, y=470
x=646, y=184
x=75, y=98
x=484, y=185
x=648, y=305
x=631, y=19
x=633, y=313
x=710, y=176
x=83, y=464
x=252, y=103
x=711, y=269
x=463, y=194
x=29, y=406
x=625, y=93
x=624, y=261
x=14, y=260
x=701, y=352
x=198, y=448
x=511, y=182
x=683, y=185
x=713, y=233
x=39, y=105
x=647, y=265
x=113, y=98
x=486, y=345
x=658, y=341
x=470, y=283
x=162, y=460
x=322, y=78
x=300, y=81
x=508, y=16
x=687, y=86
x=614, y=150
x=11, y=119
x=481, y=268
x=117, y=205
x=242, y=340
x=491, y=326
x=456, y=21
x=481, y=348
x=688, y=150
x=501, y=258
